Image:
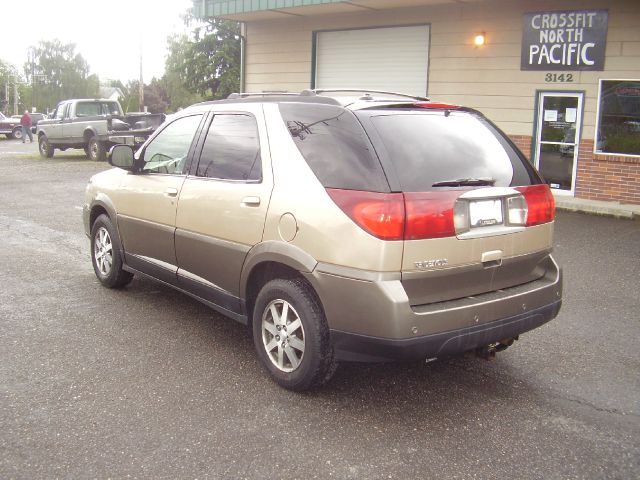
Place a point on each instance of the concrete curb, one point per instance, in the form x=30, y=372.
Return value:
x=595, y=207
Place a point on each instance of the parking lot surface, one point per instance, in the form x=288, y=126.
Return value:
x=148, y=383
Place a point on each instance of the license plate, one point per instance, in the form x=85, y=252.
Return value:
x=485, y=213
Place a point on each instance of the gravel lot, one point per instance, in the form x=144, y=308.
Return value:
x=148, y=383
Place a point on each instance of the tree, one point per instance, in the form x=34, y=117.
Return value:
x=178, y=95
x=208, y=60
x=57, y=72
x=130, y=96
x=155, y=97
x=10, y=80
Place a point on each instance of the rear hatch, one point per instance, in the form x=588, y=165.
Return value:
x=477, y=216
x=472, y=214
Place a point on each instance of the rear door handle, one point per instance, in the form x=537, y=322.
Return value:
x=251, y=201
x=171, y=192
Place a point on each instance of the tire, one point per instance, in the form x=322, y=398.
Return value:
x=17, y=133
x=307, y=359
x=46, y=150
x=106, y=254
x=95, y=150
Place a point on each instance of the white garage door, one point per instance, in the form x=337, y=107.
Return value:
x=393, y=59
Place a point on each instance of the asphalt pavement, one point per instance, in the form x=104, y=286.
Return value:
x=148, y=383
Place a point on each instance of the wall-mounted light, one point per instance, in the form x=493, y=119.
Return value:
x=480, y=39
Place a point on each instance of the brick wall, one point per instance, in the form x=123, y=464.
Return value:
x=607, y=177
x=611, y=178
x=523, y=142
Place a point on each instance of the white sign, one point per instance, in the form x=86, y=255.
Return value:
x=570, y=115
x=550, y=115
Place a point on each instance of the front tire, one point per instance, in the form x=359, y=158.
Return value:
x=291, y=335
x=95, y=150
x=106, y=254
x=17, y=133
x=46, y=150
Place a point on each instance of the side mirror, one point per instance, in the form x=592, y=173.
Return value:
x=121, y=156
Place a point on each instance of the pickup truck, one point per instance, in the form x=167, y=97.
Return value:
x=94, y=125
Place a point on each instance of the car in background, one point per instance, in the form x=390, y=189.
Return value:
x=10, y=126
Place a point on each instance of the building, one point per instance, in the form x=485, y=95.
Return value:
x=561, y=78
x=111, y=93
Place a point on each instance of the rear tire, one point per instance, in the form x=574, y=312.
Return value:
x=106, y=254
x=17, y=133
x=291, y=335
x=46, y=150
x=95, y=150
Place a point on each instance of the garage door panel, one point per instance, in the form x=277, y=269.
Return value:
x=394, y=58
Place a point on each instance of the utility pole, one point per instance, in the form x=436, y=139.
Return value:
x=15, y=96
x=32, y=54
x=141, y=84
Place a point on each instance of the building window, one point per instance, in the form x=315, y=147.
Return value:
x=618, y=130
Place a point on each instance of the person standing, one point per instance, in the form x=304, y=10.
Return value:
x=26, y=123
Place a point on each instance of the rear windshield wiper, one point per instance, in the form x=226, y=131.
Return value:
x=466, y=182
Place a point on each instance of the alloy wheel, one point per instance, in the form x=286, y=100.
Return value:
x=283, y=335
x=103, y=251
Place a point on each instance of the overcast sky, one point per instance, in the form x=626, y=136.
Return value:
x=107, y=33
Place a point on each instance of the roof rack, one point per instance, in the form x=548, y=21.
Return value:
x=260, y=94
x=367, y=93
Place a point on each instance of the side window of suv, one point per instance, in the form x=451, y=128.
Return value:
x=231, y=150
x=167, y=153
x=335, y=146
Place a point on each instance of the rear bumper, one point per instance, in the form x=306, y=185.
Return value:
x=371, y=318
x=362, y=348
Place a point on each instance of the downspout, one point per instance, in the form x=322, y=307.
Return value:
x=243, y=41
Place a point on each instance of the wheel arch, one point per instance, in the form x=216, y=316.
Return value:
x=103, y=205
x=270, y=260
x=88, y=134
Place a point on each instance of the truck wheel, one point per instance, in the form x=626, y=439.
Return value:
x=96, y=150
x=291, y=335
x=17, y=133
x=46, y=150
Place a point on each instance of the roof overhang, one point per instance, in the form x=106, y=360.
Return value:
x=252, y=10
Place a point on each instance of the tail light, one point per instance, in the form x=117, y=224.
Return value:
x=540, y=203
x=397, y=216
x=423, y=215
x=430, y=214
x=380, y=214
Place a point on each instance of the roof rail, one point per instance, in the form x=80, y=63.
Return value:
x=260, y=94
x=367, y=93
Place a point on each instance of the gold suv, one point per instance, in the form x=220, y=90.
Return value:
x=337, y=225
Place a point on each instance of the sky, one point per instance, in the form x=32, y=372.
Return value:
x=107, y=33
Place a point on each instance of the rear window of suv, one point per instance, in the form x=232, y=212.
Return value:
x=335, y=146
x=431, y=147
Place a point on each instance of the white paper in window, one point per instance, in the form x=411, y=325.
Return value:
x=570, y=115
x=550, y=115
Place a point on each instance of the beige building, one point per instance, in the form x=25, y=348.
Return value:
x=561, y=78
